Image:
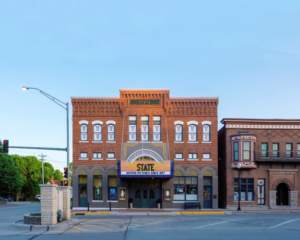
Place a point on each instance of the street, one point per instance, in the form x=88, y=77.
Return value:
x=246, y=226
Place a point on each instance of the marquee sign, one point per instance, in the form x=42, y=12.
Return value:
x=145, y=169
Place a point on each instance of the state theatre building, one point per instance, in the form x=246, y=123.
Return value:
x=144, y=149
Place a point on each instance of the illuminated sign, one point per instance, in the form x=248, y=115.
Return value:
x=144, y=102
x=145, y=169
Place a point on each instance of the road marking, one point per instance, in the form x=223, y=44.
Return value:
x=219, y=223
x=80, y=229
x=148, y=224
x=285, y=223
x=98, y=227
x=102, y=224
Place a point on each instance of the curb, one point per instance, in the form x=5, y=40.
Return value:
x=91, y=213
x=203, y=213
x=21, y=225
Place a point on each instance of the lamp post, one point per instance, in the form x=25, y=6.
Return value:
x=64, y=106
x=239, y=168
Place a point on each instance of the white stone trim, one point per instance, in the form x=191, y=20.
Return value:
x=193, y=142
x=97, y=200
x=97, y=122
x=97, y=159
x=192, y=159
x=206, y=159
x=83, y=141
x=83, y=122
x=192, y=122
x=178, y=123
x=111, y=122
x=111, y=159
x=178, y=142
x=178, y=159
x=132, y=142
x=110, y=141
x=97, y=141
x=263, y=126
x=206, y=142
x=83, y=159
x=206, y=123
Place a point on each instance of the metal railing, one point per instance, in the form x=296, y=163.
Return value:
x=286, y=156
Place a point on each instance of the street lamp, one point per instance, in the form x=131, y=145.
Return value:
x=64, y=106
x=239, y=168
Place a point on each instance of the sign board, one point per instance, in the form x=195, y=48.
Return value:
x=146, y=169
x=144, y=102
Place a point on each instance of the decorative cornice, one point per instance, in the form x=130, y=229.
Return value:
x=260, y=126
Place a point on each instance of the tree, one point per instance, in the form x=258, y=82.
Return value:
x=10, y=180
x=71, y=173
x=58, y=175
x=48, y=171
x=1, y=149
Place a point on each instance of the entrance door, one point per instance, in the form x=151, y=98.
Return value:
x=145, y=198
x=282, y=194
x=83, y=196
x=207, y=199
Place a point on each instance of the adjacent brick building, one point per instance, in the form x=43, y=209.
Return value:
x=144, y=147
x=268, y=154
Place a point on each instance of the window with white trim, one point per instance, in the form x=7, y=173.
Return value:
x=97, y=132
x=178, y=133
x=145, y=128
x=206, y=133
x=83, y=155
x=132, y=128
x=206, y=156
x=110, y=132
x=83, y=132
x=156, y=128
x=193, y=155
x=111, y=155
x=178, y=156
x=192, y=133
x=97, y=155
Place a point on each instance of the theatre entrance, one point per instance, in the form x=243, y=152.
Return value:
x=144, y=192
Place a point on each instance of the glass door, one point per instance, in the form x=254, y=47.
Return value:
x=207, y=192
x=145, y=198
x=82, y=196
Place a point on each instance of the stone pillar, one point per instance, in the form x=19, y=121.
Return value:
x=66, y=203
x=272, y=199
x=293, y=198
x=48, y=204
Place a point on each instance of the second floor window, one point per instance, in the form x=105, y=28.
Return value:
x=156, y=128
x=178, y=133
x=97, y=155
x=111, y=132
x=83, y=155
x=236, y=151
x=193, y=155
x=83, y=132
x=132, y=128
x=145, y=128
x=206, y=155
x=178, y=156
x=97, y=132
x=298, y=150
x=264, y=150
x=206, y=133
x=275, y=150
x=193, y=133
x=246, y=150
x=289, y=150
x=111, y=155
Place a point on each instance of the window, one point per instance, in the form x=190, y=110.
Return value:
x=206, y=155
x=193, y=156
x=264, y=150
x=185, y=189
x=246, y=150
x=97, y=132
x=112, y=188
x=145, y=128
x=132, y=128
x=111, y=155
x=236, y=151
x=97, y=187
x=206, y=133
x=97, y=155
x=178, y=133
x=83, y=132
x=298, y=150
x=111, y=132
x=83, y=155
x=192, y=133
x=156, y=128
x=178, y=156
x=275, y=150
x=247, y=189
x=289, y=150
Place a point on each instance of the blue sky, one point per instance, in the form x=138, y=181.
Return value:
x=245, y=52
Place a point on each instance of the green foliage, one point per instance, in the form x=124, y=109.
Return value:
x=71, y=173
x=1, y=149
x=48, y=172
x=10, y=180
x=58, y=175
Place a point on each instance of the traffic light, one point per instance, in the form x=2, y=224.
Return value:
x=5, y=146
x=65, y=172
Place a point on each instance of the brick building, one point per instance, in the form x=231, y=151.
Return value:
x=267, y=152
x=144, y=148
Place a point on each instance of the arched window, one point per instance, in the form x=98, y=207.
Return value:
x=192, y=133
x=112, y=185
x=111, y=132
x=83, y=132
x=97, y=132
x=97, y=193
x=206, y=133
x=178, y=133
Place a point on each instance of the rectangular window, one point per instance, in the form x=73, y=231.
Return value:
x=112, y=188
x=97, y=188
x=206, y=155
x=157, y=128
x=193, y=156
x=97, y=155
x=83, y=155
x=145, y=128
x=97, y=132
x=132, y=128
x=111, y=132
x=178, y=133
x=246, y=150
x=275, y=152
x=247, y=189
x=236, y=151
x=83, y=132
x=289, y=150
x=178, y=156
x=298, y=150
x=110, y=155
x=264, y=149
x=185, y=189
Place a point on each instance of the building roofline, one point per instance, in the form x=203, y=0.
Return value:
x=194, y=98
x=95, y=97
x=144, y=89
x=261, y=120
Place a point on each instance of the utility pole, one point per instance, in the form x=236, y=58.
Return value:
x=42, y=156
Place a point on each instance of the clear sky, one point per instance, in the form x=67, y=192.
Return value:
x=245, y=52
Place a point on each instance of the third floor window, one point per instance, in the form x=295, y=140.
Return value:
x=132, y=128
x=110, y=132
x=145, y=128
x=289, y=150
x=156, y=128
x=83, y=132
x=246, y=150
x=97, y=132
x=192, y=133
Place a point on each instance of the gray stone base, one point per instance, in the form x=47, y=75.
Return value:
x=293, y=198
x=247, y=207
x=32, y=220
x=272, y=199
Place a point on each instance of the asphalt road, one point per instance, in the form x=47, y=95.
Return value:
x=255, y=226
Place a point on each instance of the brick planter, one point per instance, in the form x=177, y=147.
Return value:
x=32, y=220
